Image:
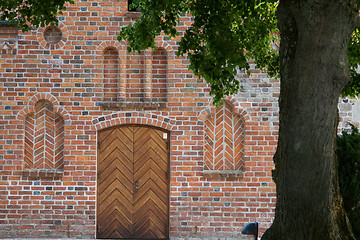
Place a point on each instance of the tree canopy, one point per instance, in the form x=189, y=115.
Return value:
x=27, y=13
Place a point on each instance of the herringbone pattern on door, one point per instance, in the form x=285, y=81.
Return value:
x=133, y=183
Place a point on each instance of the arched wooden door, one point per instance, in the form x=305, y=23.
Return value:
x=133, y=183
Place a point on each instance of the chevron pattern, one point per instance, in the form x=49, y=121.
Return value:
x=44, y=138
x=8, y=39
x=224, y=140
x=29, y=141
x=59, y=136
x=133, y=183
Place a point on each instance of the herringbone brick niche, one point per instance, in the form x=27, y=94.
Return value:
x=224, y=140
x=44, y=138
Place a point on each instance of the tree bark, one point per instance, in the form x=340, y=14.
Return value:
x=314, y=69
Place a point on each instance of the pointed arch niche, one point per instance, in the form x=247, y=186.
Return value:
x=44, y=138
x=224, y=140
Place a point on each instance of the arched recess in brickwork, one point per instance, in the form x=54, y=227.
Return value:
x=44, y=138
x=224, y=138
x=110, y=74
x=164, y=45
x=156, y=72
x=133, y=118
x=55, y=117
x=159, y=64
x=30, y=108
x=109, y=48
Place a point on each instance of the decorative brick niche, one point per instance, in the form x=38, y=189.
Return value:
x=224, y=141
x=8, y=38
x=52, y=37
x=44, y=141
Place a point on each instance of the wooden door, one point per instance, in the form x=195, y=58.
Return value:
x=133, y=183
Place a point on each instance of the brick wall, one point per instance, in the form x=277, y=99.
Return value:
x=59, y=90
x=8, y=36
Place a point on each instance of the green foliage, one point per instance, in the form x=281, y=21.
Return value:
x=348, y=154
x=25, y=13
x=353, y=88
x=224, y=36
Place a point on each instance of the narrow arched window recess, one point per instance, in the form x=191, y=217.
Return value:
x=111, y=74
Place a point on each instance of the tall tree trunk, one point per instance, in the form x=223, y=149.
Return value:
x=314, y=69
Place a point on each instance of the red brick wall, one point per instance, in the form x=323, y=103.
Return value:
x=111, y=74
x=135, y=72
x=88, y=80
x=8, y=37
x=159, y=75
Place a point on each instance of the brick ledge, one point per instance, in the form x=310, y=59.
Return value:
x=121, y=106
x=224, y=173
x=42, y=173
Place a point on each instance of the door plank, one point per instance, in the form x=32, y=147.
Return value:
x=122, y=173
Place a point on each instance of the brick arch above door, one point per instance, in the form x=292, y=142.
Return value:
x=142, y=118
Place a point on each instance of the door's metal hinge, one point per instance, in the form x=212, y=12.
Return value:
x=99, y=143
x=99, y=172
x=98, y=227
